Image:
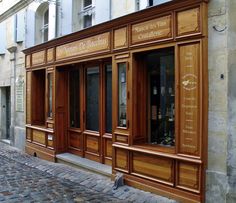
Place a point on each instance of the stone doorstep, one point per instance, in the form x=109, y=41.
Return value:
x=73, y=160
x=6, y=141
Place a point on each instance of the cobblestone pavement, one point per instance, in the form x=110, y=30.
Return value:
x=24, y=178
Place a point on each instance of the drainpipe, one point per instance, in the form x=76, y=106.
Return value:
x=110, y=7
x=12, y=49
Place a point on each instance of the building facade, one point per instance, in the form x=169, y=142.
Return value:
x=141, y=128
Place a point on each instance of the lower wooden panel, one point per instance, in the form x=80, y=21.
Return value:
x=156, y=168
x=121, y=159
x=39, y=137
x=188, y=176
x=170, y=192
x=108, y=161
x=75, y=140
x=92, y=156
x=29, y=134
x=92, y=144
x=41, y=152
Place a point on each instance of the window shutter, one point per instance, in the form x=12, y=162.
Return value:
x=2, y=38
x=20, y=26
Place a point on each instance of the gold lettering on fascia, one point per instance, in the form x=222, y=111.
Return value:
x=188, y=139
x=189, y=146
x=188, y=120
x=188, y=113
x=189, y=106
x=189, y=127
x=189, y=132
x=85, y=46
x=152, y=29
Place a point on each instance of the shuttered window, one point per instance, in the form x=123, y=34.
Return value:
x=2, y=38
x=20, y=26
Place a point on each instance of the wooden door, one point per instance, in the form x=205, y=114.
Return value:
x=61, y=110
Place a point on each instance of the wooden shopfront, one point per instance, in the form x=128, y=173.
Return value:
x=131, y=93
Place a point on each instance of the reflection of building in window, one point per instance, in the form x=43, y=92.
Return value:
x=41, y=24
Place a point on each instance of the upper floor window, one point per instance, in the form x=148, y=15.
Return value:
x=45, y=26
x=157, y=2
x=83, y=14
x=87, y=13
x=41, y=23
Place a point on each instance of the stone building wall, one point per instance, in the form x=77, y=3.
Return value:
x=221, y=173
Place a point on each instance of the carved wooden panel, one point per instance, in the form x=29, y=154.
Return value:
x=38, y=58
x=189, y=56
x=95, y=44
x=28, y=97
x=155, y=29
x=188, y=176
x=121, y=139
x=92, y=144
x=50, y=55
x=121, y=159
x=28, y=134
x=120, y=38
x=39, y=136
x=27, y=63
x=153, y=167
x=188, y=21
x=108, y=152
x=75, y=140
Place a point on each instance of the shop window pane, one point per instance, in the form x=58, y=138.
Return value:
x=92, y=99
x=108, y=98
x=50, y=80
x=74, y=98
x=161, y=83
x=122, y=94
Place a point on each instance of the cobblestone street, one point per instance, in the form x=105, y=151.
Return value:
x=28, y=179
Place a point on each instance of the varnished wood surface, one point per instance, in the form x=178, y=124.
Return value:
x=177, y=172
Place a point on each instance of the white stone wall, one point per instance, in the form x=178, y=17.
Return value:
x=7, y=4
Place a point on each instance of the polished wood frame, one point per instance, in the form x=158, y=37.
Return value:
x=183, y=173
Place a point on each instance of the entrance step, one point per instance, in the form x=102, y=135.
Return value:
x=76, y=161
x=6, y=141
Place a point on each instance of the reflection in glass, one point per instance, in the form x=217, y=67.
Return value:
x=74, y=91
x=122, y=108
x=109, y=98
x=92, y=99
x=50, y=95
x=161, y=83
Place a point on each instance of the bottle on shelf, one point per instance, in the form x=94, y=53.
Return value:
x=124, y=120
x=159, y=114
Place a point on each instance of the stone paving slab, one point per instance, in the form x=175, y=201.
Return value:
x=24, y=178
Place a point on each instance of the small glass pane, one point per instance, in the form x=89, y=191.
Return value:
x=109, y=98
x=87, y=3
x=122, y=94
x=50, y=95
x=87, y=21
x=92, y=99
x=74, y=84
